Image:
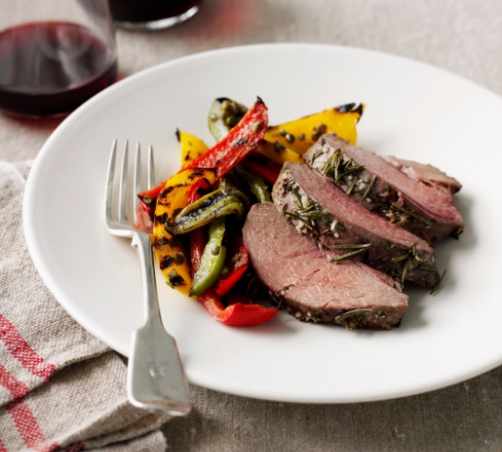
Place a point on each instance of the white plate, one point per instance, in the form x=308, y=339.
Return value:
x=413, y=111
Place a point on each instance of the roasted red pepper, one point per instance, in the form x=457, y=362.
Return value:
x=237, y=314
x=269, y=173
x=240, y=141
x=197, y=190
x=236, y=263
x=148, y=200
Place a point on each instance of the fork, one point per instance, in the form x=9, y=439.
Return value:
x=155, y=376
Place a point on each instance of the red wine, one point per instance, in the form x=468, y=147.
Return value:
x=149, y=10
x=48, y=68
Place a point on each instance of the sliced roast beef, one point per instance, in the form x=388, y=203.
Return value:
x=312, y=286
x=427, y=174
x=387, y=190
x=320, y=209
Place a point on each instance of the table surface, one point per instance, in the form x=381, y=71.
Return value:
x=463, y=37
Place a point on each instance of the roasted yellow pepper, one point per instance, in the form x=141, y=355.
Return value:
x=191, y=147
x=278, y=153
x=172, y=257
x=299, y=135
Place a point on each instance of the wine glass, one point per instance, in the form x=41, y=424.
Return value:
x=54, y=55
x=152, y=14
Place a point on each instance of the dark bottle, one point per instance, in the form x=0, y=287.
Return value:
x=49, y=68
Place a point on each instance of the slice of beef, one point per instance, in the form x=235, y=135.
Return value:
x=385, y=189
x=427, y=174
x=320, y=209
x=311, y=286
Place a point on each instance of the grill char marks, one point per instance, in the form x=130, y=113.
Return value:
x=318, y=208
x=414, y=196
x=313, y=288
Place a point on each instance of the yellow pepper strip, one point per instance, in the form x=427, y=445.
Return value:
x=299, y=135
x=172, y=257
x=277, y=153
x=191, y=147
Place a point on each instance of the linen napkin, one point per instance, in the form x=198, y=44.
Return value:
x=60, y=387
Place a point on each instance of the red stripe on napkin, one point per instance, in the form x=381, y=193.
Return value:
x=2, y=447
x=22, y=351
x=28, y=428
x=15, y=387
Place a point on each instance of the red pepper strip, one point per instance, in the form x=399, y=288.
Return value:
x=238, y=314
x=237, y=263
x=198, y=240
x=222, y=286
x=269, y=173
x=239, y=142
x=148, y=199
x=197, y=190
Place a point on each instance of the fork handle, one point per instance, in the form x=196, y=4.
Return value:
x=155, y=374
x=143, y=245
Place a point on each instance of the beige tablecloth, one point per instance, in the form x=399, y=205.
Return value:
x=462, y=36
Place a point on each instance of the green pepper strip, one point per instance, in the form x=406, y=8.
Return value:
x=256, y=184
x=212, y=259
x=223, y=115
x=216, y=204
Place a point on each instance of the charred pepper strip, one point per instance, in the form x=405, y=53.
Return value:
x=169, y=252
x=198, y=237
x=238, y=314
x=216, y=204
x=191, y=147
x=212, y=259
x=240, y=141
x=223, y=115
x=237, y=263
x=256, y=184
x=197, y=190
x=148, y=200
x=269, y=172
x=278, y=153
x=300, y=134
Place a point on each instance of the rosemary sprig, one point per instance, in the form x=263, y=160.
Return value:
x=436, y=287
x=317, y=213
x=411, y=214
x=352, y=185
x=337, y=168
x=408, y=266
x=381, y=255
x=402, y=257
x=351, y=319
x=386, y=245
x=368, y=188
x=356, y=246
x=344, y=257
x=315, y=155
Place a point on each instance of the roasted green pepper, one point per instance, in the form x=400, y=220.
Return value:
x=223, y=115
x=212, y=259
x=257, y=185
x=217, y=204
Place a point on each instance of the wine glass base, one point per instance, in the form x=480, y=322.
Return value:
x=157, y=24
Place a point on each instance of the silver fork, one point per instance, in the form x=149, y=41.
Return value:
x=155, y=377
